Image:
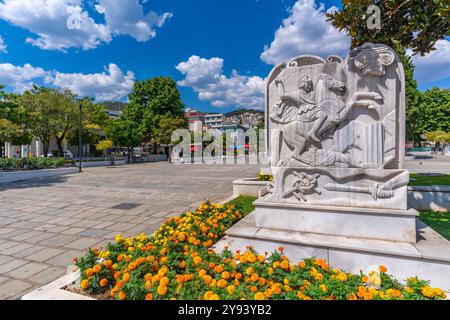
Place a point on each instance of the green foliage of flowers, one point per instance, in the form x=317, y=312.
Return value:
x=30, y=163
x=177, y=262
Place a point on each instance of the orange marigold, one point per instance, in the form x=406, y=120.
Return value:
x=103, y=282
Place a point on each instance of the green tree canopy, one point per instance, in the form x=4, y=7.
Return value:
x=434, y=111
x=53, y=113
x=124, y=133
x=415, y=24
x=13, y=120
x=150, y=101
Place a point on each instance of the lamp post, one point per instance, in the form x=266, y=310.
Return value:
x=79, y=139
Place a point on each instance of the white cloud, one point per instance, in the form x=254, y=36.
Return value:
x=3, y=47
x=49, y=20
x=64, y=24
x=206, y=77
x=435, y=65
x=109, y=85
x=305, y=31
x=127, y=17
x=20, y=78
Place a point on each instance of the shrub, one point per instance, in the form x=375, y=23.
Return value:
x=30, y=163
x=176, y=262
x=265, y=177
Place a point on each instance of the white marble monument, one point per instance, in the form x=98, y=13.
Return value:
x=335, y=139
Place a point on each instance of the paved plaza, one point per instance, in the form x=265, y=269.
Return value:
x=47, y=222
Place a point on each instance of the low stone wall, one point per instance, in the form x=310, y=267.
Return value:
x=91, y=164
x=434, y=198
x=9, y=177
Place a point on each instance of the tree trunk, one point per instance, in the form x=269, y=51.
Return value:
x=60, y=148
x=46, y=145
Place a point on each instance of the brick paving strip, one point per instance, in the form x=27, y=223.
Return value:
x=47, y=222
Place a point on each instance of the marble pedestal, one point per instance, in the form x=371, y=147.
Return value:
x=366, y=223
x=428, y=258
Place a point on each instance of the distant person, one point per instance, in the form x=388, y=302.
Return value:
x=16, y=155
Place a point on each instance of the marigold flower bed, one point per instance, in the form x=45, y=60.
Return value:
x=176, y=262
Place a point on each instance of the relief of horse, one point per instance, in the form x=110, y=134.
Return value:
x=303, y=121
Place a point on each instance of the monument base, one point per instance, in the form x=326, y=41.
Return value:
x=383, y=224
x=428, y=259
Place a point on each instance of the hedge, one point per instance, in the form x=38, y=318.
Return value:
x=30, y=163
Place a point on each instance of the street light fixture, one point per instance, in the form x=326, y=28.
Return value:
x=79, y=139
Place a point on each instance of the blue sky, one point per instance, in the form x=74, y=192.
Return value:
x=218, y=51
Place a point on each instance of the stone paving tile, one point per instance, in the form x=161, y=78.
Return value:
x=11, y=265
x=27, y=270
x=44, y=254
x=65, y=259
x=73, y=230
x=40, y=237
x=13, y=289
x=48, y=275
x=58, y=240
x=16, y=249
x=83, y=243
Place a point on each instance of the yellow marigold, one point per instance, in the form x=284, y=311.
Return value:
x=318, y=276
x=249, y=271
x=84, y=284
x=162, y=290
x=259, y=296
x=230, y=289
x=270, y=271
x=440, y=293
x=300, y=295
x=126, y=277
x=251, y=258
x=202, y=272
x=285, y=264
x=97, y=268
x=149, y=296
x=88, y=272
x=352, y=297
x=428, y=292
x=342, y=277
x=254, y=277
x=108, y=263
x=132, y=266
x=225, y=275
x=214, y=297
x=222, y=283
x=197, y=260
x=323, y=288
x=103, y=282
x=261, y=258
x=301, y=264
x=164, y=281
x=207, y=279
x=208, y=295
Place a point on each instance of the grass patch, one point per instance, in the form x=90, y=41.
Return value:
x=439, y=221
x=244, y=203
x=427, y=180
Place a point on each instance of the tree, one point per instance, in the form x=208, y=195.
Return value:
x=104, y=145
x=162, y=133
x=95, y=120
x=440, y=137
x=124, y=133
x=150, y=101
x=13, y=120
x=415, y=24
x=52, y=113
x=434, y=114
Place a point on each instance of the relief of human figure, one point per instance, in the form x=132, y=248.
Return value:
x=312, y=110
